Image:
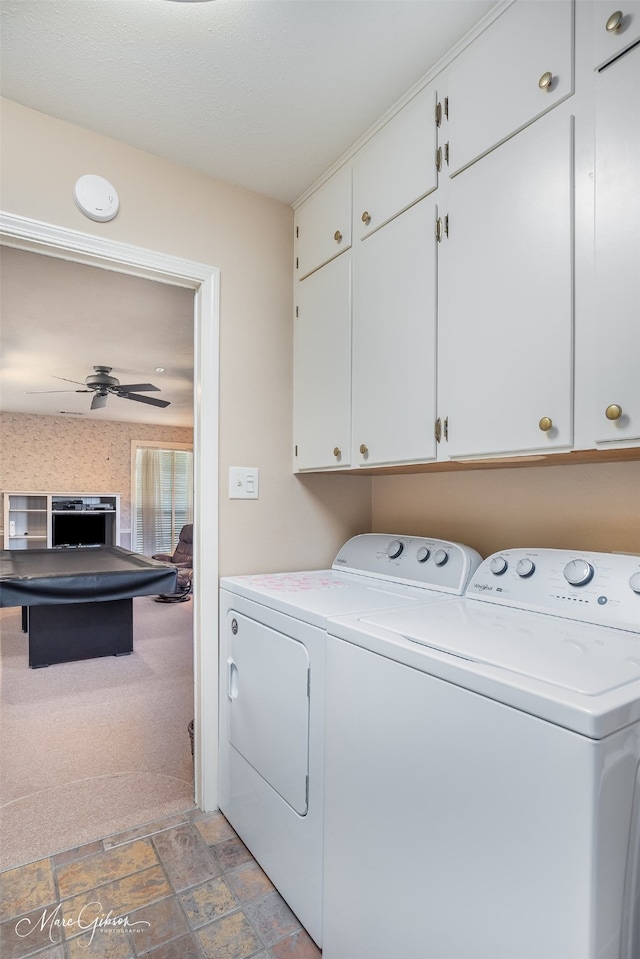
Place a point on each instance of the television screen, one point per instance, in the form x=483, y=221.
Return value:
x=79, y=529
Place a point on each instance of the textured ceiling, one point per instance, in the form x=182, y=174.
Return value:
x=265, y=94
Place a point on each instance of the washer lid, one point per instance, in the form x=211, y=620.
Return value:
x=575, y=674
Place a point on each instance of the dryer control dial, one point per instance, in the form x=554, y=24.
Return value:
x=440, y=557
x=498, y=565
x=394, y=549
x=634, y=582
x=423, y=554
x=578, y=572
x=525, y=567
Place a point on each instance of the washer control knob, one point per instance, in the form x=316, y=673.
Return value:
x=440, y=557
x=578, y=572
x=634, y=582
x=395, y=548
x=423, y=554
x=498, y=565
x=525, y=567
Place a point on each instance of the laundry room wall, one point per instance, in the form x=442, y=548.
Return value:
x=594, y=506
x=296, y=524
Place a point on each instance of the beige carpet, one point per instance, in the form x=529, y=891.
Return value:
x=92, y=748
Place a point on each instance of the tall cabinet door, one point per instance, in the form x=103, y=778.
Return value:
x=322, y=367
x=617, y=272
x=394, y=341
x=506, y=305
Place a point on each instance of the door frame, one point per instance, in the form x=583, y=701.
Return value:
x=38, y=237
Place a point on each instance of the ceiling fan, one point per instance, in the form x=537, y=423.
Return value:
x=101, y=384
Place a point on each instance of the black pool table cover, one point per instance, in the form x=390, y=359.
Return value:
x=33, y=577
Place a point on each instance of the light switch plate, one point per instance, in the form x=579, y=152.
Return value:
x=243, y=482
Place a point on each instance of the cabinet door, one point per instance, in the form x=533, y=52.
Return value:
x=617, y=271
x=615, y=27
x=505, y=296
x=323, y=223
x=494, y=86
x=322, y=368
x=397, y=166
x=394, y=345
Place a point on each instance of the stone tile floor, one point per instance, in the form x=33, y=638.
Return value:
x=182, y=888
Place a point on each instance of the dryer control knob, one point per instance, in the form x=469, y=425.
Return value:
x=578, y=572
x=634, y=582
x=440, y=557
x=395, y=548
x=423, y=554
x=498, y=565
x=525, y=567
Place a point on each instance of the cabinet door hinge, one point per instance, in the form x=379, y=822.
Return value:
x=446, y=153
x=438, y=113
x=297, y=232
x=439, y=159
x=439, y=229
x=297, y=313
x=438, y=430
x=297, y=263
x=446, y=429
x=446, y=107
x=296, y=449
x=446, y=225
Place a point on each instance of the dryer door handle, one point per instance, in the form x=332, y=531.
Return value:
x=232, y=679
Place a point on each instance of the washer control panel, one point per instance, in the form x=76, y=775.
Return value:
x=591, y=587
x=416, y=561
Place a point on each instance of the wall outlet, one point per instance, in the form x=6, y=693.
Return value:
x=243, y=482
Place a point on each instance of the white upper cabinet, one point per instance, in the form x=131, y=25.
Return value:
x=397, y=166
x=322, y=368
x=514, y=72
x=617, y=260
x=394, y=341
x=323, y=223
x=616, y=26
x=505, y=298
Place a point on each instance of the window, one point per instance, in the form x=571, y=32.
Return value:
x=163, y=485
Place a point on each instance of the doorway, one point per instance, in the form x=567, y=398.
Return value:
x=35, y=236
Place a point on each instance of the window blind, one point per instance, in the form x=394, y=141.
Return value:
x=164, y=498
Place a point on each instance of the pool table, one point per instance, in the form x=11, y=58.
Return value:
x=78, y=601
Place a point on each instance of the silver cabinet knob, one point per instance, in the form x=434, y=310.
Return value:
x=545, y=81
x=614, y=22
x=613, y=412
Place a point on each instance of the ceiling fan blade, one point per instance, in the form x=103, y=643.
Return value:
x=144, y=399
x=98, y=401
x=137, y=388
x=31, y=392
x=79, y=382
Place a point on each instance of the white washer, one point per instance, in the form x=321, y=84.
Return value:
x=273, y=640
x=482, y=784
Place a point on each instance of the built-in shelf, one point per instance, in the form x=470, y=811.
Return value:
x=46, y=520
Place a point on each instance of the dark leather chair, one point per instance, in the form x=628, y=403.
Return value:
x=182, y=557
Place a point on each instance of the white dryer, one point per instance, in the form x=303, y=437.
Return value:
x=273, y=640
x=482, y=784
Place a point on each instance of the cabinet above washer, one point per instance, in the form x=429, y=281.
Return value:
x=323, y=223
x=397, y=166
x=615, y=28
x=514, y=72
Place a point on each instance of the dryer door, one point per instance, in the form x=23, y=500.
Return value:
x=268, y=706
